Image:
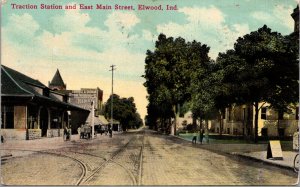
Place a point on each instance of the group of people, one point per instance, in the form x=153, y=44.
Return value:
x=201, y=134
x=85, y=131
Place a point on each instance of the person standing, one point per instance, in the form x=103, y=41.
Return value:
x=194, y=137
x=201, y=136
x=65, y=133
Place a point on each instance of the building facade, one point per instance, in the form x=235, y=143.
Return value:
x=84, y=97
x=239, y=120
x=30, y=110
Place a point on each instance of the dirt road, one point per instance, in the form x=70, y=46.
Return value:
x=135, y=158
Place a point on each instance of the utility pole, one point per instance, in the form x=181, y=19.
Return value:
x=93, y=120
x=112, y=93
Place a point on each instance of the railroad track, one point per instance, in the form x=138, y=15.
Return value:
x=91, y=167
x=136, y=179
x=81, y=164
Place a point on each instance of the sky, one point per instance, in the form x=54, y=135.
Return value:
x=83, y=44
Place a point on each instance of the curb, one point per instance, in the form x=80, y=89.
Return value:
x=246, y=157
x=260, y=160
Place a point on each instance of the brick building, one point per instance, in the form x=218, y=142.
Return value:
x=82, y=98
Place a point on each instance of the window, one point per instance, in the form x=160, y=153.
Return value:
x=263, y=113
x=281, y=132
x=264, y=132
x=280, y=115
x=46, y=92
x=248, y=114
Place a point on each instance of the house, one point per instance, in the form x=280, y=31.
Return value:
x=239, y=120
x=31, y=110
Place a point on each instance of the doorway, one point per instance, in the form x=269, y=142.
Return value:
x=44, y=118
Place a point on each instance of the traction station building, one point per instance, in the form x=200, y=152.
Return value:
x=31, y=110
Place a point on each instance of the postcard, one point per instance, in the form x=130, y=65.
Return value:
x=149, y=92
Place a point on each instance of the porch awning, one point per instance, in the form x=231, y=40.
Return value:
x=102, y=120
x=97, y=121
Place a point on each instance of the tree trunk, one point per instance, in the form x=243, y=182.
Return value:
x=221, y=122
x=169, y=123
x=256, y=122
x=176, y=113
x=206, y=131
x=194, y=122
x=201, y=125
x=278, y=123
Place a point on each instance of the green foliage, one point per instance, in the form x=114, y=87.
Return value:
x=168, y=74
x=262, y=67
x=124, y=110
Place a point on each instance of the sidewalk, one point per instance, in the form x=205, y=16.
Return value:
x=257, y=152
x=40, y=144
x=287, y=162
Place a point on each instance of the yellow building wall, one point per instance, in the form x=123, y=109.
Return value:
x=288, y=123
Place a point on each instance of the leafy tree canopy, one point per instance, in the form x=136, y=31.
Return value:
x=124, y=110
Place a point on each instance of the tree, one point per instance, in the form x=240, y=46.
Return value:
x=262, y=67
x=167, y=72
x=124, y=111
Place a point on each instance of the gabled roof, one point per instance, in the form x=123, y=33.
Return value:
x=57, y=80
x=15, y=84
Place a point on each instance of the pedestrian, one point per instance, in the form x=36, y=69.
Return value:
x=81, y=132
x=194, y=137
x=69, y=134
x=65, y=133
x=201, y=136
x=101, y=130
x=110, y=133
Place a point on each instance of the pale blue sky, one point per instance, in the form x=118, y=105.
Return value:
x=84, y=43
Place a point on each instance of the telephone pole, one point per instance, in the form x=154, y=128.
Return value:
x=112, y=93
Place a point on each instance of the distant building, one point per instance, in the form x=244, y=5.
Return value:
x=82, y=98
x=30, y=110
x=57, y=82
x=85, y=96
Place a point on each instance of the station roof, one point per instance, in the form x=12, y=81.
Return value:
x=17, y=87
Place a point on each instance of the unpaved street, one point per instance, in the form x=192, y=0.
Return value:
x=134, y=158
